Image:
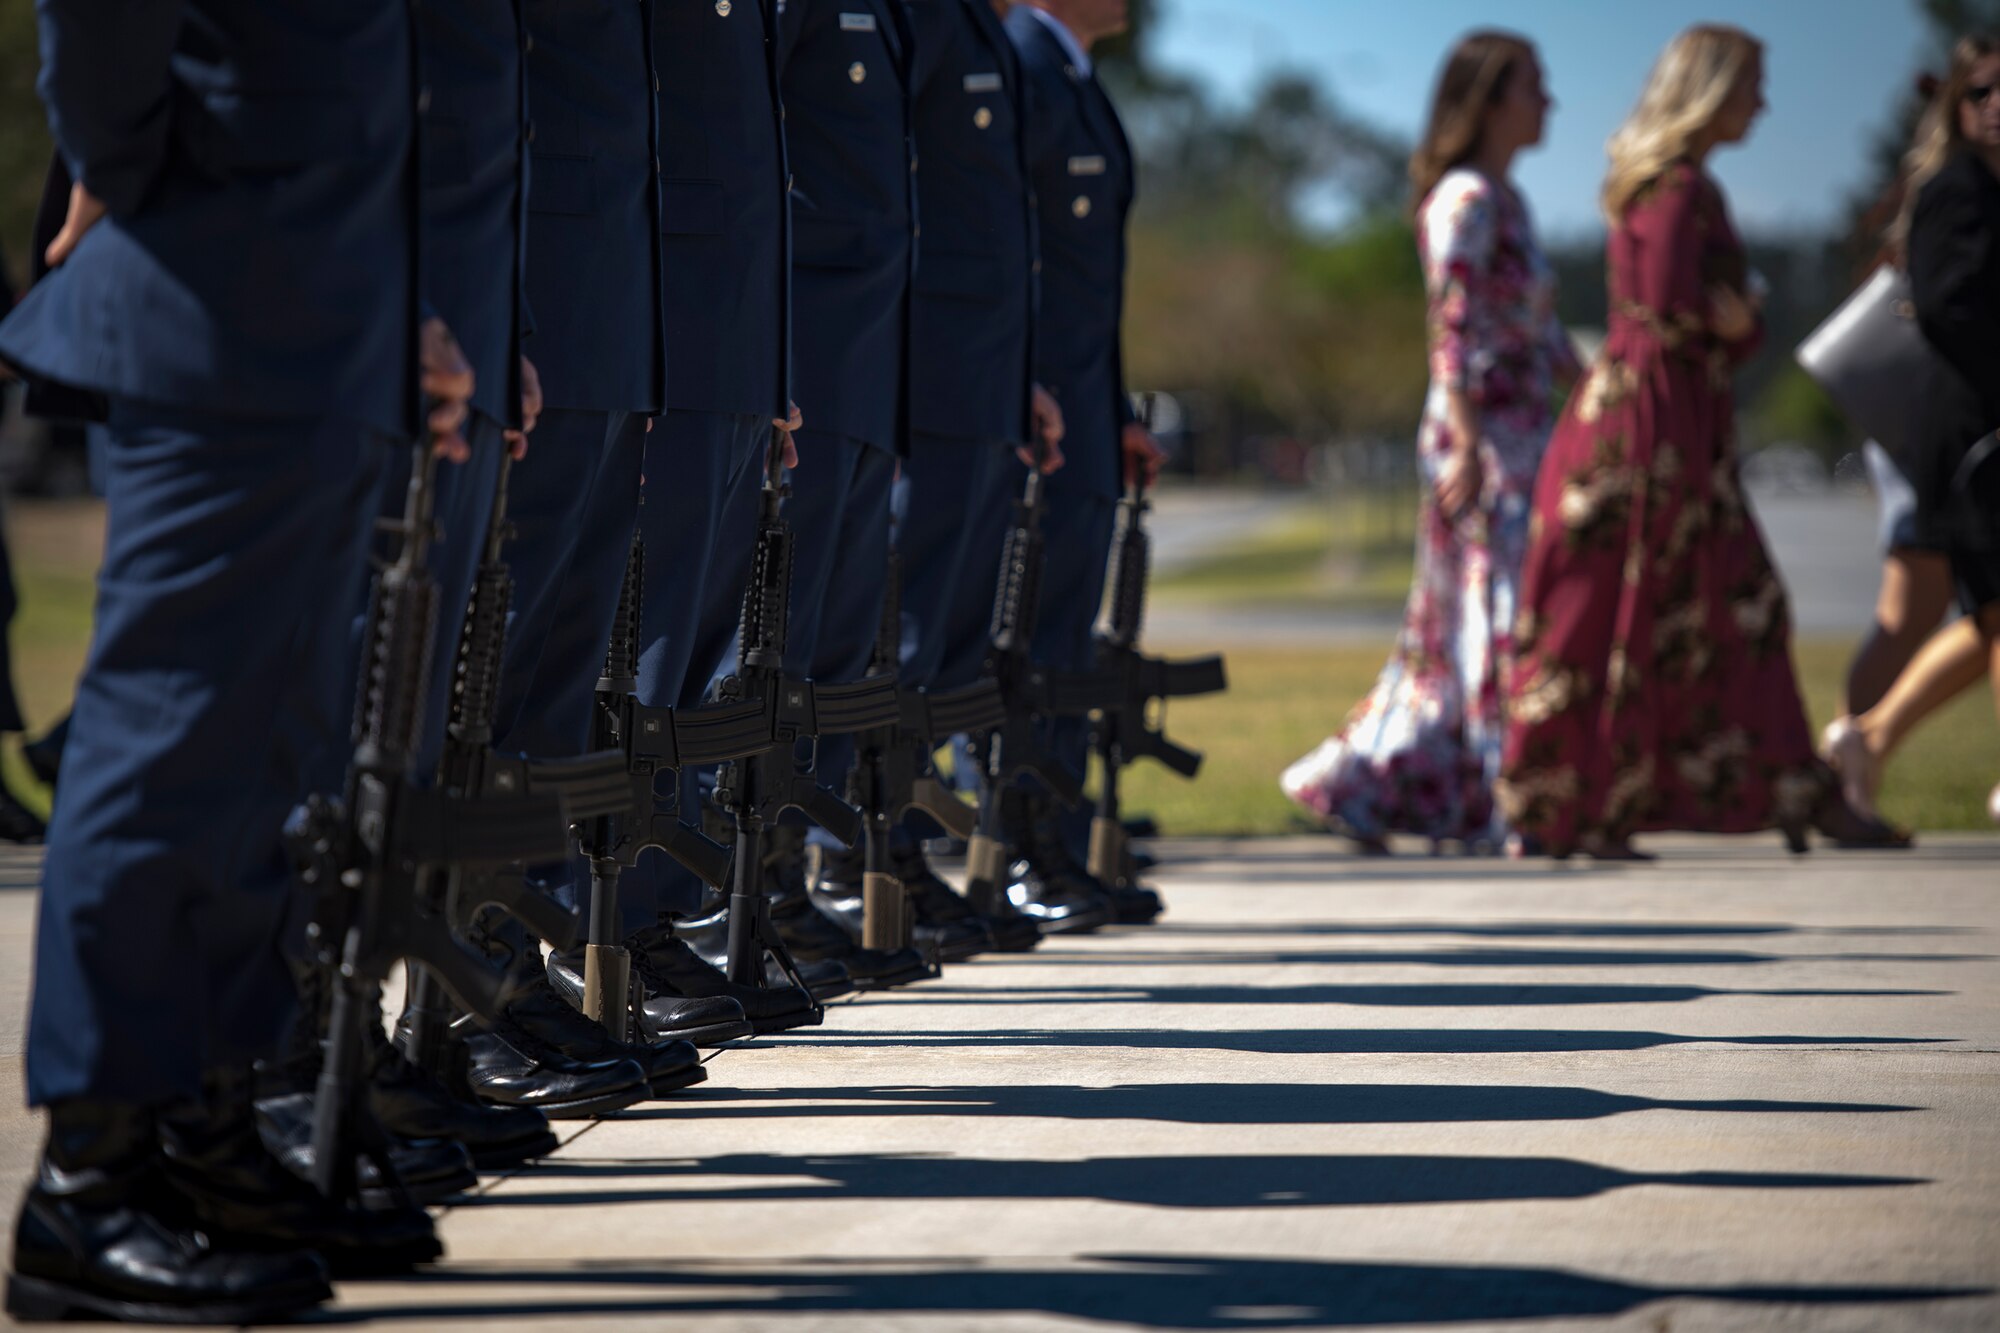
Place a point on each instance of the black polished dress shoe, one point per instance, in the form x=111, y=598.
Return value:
x=668, y=965
x=101, y=1235
x=429, y=1170
x=936, y=902
x=828, y=929
x=411, y=1104
x=826, y=979
x=510, y=1066
x=17, y=822
x=535, y=1006
x=244, y=1198
x=707, y=1020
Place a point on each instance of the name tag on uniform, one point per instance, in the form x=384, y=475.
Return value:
x=857, y=23
x=1086, y=166
x=984, y=83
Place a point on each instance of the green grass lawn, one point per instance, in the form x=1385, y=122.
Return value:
x=1351, y=552
x=1280, y=703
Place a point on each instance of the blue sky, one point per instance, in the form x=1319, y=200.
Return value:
x=1835, y=69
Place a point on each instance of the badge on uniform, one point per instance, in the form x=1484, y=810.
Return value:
x=1086, y=166
x=857, y=23
x=984, y=83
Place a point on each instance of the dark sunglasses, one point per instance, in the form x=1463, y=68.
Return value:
x=1979, y=92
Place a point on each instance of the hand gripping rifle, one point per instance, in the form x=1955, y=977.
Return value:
x=383, y=858
x=1016, y=745
x=1125, y=685
x=755, y=789
x=893, y=771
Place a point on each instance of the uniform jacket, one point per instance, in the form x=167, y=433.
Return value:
x=845, y=71
x=594, y=205
x=1081, y=170
x=723, y=204
x=254, y=156
x=972, y=312
x=473, y=148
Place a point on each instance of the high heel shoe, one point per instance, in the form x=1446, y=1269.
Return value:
x=1845, y=749
x=1847, y=828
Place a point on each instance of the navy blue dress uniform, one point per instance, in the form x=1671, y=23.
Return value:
x=972, y=323
x=246, y=308
x=473, y=162
x=723, y=221
x=1082, y=175
x=845, y=74
x=598, y=341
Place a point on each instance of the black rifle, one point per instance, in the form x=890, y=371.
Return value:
x=468, y=767
x=755, y=789
x=641, y=742
x=893, y=771
x=1125, y=685
x=373, y=856
x=1015, y=747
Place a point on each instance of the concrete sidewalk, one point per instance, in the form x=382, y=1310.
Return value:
x=1728, y=1090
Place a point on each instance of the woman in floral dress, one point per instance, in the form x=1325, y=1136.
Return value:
x=1420, y=754
x=1653, y=687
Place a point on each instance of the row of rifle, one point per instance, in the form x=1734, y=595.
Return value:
x=402, y=868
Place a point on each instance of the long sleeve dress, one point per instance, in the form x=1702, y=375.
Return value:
x=1420, y=754
x=1652, y=686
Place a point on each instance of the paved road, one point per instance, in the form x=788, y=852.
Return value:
x=1824, y=546
x=1728, y=1091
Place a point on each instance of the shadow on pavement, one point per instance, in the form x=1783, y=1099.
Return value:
x=1334, y=1041
x=1161, y=1182
x=1542, y=929
x=1223, y=1103
x=1151, y=1291
x=1477, y=956
x=1387, y=996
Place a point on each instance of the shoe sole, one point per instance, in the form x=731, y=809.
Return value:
x=662, y=1084
x=798, y=1018
x=583, y=1108
x=422, y=1193
x=707, y=1035
x=33, y=1300
x=501, y=1155
x=890, y=980
x=380, y=1260
x=1140, y=916
x=1008, y=939
x=1078, y=923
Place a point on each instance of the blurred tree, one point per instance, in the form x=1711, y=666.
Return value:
x=24, y=137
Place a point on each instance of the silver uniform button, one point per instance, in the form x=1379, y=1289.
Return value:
x=723, y=7
x=983, y=118
x=857, y=72
x=1082, y=206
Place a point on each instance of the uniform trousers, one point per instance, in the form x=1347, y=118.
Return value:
x=223, y=608
x=573, y=503
x=697, y=517
x=953, y=507
x=839, y=515
x=1077, y=529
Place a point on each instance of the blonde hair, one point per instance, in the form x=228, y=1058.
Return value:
x=1687, y=89
x=1938, y=133
x=1474, y=77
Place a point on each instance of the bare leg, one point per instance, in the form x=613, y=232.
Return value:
x=1949, y=664
x=1915, y=593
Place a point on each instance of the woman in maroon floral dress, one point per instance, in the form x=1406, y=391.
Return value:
x=1652, y=686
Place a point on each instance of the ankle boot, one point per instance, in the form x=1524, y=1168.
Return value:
x=102, y=1236
x=936, y=903
x=243, y=1197
x=1060, y=897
